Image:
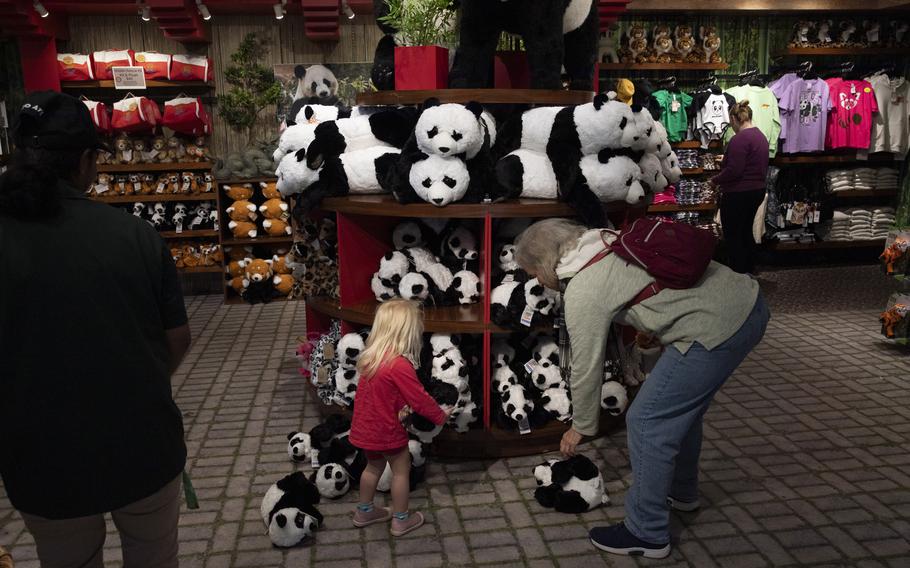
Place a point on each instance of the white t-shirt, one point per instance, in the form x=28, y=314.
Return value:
x=891, y=126
x=712, y=119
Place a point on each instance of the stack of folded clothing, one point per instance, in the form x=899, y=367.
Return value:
x=860, y=224
x=882, y=220
x=864, y=179
x=886, y=179
x=688, y=159
x=838, y=229
x=839, y=180
x=667, y=196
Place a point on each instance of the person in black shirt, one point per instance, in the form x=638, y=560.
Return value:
x=92, y=324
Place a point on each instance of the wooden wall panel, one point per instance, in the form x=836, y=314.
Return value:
x=287, y=40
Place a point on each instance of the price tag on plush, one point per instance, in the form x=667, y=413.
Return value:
x=530, y=366
x=524, y=427
x=314, y=458
x=527, y=316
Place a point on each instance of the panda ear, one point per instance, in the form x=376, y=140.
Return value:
x=600, y=100
x=291, y=435
x=456, y=283
x=299, y=71
x=308, y=112
x=315, y=162
x=637, y=108
x=475, y=107
x=604, y=155
x=300, y=154
x=431, y=102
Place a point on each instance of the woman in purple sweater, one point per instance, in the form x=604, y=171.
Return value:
x=742, y=186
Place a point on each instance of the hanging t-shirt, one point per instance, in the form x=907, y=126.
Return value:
x=780, y=85
x=804, y=109
x=850, y=124
x=765, y=114
x=673, y=105
x=891, y=126
x=711, y=115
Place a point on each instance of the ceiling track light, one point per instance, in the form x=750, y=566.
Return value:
x=39, y=7
x=347, y=10
x=280, y=10
x=203, y=10
x=145, y=12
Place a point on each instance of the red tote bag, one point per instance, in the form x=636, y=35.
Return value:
x=135, y=114
x=186, y=115
x=75, y=67
x=191, y=68
x=156, y=65
x=100, y=115
x=104, y=60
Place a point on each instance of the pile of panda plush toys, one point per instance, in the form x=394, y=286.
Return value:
x=585, y=155
x=434, y=261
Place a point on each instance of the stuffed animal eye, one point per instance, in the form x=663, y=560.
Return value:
x=456, y=136
x=449, y=181
x=648, y=131
x=455, y=242
x=314, y=85
x=433, y=132
x=629, y=181
x=427, y=183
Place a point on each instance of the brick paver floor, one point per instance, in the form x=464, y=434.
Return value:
x=806, y=458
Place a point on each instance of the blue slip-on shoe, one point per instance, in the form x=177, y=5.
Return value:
x=617, y=539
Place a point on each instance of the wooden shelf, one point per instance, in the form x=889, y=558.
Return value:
x=865, y=193
x=675, y=207
x=881, y=158
x=823, y=51
x=661, y=66
x=686, y=145
x=485, y=96
x=210, y=196
x=258, y=241
x=232, y=181
x=693, y=171
x=455, y=319
x=175, y=167
x=829, y=245
x=188, y=234
x=387, y=206
x=201, y=269
x=108, y=84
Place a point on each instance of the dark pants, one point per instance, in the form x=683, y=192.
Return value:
x=737, y=212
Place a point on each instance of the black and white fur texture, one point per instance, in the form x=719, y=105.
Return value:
x=509, y=300
x=390, y=128
x=299, y=446
x=573, y=485
x=614, y=398
x=289, y=510
x=316, y=81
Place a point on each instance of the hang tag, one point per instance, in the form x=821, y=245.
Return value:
x=674, y=105
x=789, y=215
x=179, y=227
x=322, y=375
x=185, y=187
x=160, y=188
x=127, y=155
x=530, y=366
x=780, y=220
x=314, y=459
x=524, y=427
x=817, y=216
x=152, y=154
x=208, y=186
x=137, y=187
x=508, y=278
x=215, y=225
x=101, y=188
x=527, y=316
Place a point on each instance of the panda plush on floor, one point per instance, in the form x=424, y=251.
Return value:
x=511, y=302
x=573, y=485
x=418, y=471
x=289, y=510
x=334, y=426
x=299, y=446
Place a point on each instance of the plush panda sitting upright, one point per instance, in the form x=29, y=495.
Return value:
x=289, y=510
x=573, y=485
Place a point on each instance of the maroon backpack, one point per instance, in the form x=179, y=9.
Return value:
x=675, y=254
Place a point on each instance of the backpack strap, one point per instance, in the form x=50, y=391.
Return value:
x=651, y=289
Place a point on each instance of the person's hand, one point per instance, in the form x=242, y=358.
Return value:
x=448, y=409
x=404, y=413
x=646, y=340
x=569, y=442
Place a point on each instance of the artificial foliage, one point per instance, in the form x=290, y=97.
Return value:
x=253, y=86
x=422, y=22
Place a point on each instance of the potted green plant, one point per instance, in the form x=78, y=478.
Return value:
x=253, y=87
x=425, y=29
x=510, y=64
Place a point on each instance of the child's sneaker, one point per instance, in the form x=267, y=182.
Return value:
x=377, y=515
x=403, y=527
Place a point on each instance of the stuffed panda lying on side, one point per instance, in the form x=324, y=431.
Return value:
x=289, y=510
x=511, y=302
x=573, y=485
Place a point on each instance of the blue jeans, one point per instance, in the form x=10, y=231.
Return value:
x=665, y=424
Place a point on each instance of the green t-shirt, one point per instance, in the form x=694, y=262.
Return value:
x=765, y=113
x=673, y=115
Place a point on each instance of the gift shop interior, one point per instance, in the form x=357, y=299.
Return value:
x=307, y=161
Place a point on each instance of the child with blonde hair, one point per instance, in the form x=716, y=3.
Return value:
x=388, y=384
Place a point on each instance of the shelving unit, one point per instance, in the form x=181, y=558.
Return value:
x=153, y=197
x=231, y=181
x=258, y=241
x=156, y=167
x=661, y=66
x=188, y=234
x=873, y=159
x=484, y=96
x=823, y=245
x=108, y=84
x=841, y=51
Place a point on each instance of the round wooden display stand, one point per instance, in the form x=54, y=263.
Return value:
x=365, y=225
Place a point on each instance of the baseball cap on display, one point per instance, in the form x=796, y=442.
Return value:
x=55, y=121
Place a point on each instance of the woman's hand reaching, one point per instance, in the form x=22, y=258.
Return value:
x=569, y=443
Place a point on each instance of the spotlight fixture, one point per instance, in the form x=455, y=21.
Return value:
x=347, y=10
x=39, y=7
x=145, y=13
x=280, y=10
x=203, y=10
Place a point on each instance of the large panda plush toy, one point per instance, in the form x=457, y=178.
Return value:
x=289, y=510
x=573, y=485
x=556, y=33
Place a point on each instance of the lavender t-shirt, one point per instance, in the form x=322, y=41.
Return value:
x=804, y=109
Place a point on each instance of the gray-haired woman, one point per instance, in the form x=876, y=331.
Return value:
x=707, y=331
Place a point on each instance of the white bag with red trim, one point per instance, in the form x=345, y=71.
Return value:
x=191, y=68
x=75, y=67
x=187, y=115
x=104, y=60
x=135, y=114
x=100, y=115
x=156, y=65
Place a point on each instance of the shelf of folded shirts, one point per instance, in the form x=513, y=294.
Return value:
x=695, y=145
x=675, y=207
x=880, y=158
x=661, y=66
x=692, y=171
x=865, y=193
x=822, y=51
x=820, y=245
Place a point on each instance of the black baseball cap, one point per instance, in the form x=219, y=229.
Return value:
x=55, y=121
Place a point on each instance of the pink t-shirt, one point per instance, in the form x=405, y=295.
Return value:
x=850, y=123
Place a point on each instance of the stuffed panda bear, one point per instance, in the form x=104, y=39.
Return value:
x=573, y=485
x=670, y=168
x=353, y=172
x=349, y=348
x=346, y=381
x=511, y=301
x=544, y=368
x=432, y=286
x=465, y=287
x=299, y=446
x=450, y=367
x=386, y=128
x=614, y=398
x=316, y=81
x=334, y=426
x=458, y=248
x=515, y=405
x=414, y=233
x=332, y=480
x=417, y=473
x=289, y=510
x=442, y=343
x=380, y=290
x=295, y=137
x=303, y=112
x=652, y=175
x=557, y=402
x=435, y=179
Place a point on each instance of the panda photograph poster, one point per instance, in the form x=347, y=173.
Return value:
x=322, y=83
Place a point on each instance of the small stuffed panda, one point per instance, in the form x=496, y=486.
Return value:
x=573, y=485
x=346, y=381
x=315, y=81
x=435, y=179
x=418, y=468
x=349, y=348
x=545, y=371
x=386, y=128
x=450, y=368
x=467, y=415
x=556, y=401
x=612, y=176
x=332, y=480
x=294, y=138
x=614, y=398
x=458, y=247
x=510, y=301
x=451, y=129
x=333, y=427
x=465, y=287
x=638, y=133
x=392, y=268
x=442, y=343
x=303, y=111
x=516, y=406
x=504, y=377
x=380, y=290
x=411, y=234
x=299, y=447
x=289, y=510
x=431, y=287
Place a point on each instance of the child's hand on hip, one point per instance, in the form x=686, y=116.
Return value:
x=404, y=413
